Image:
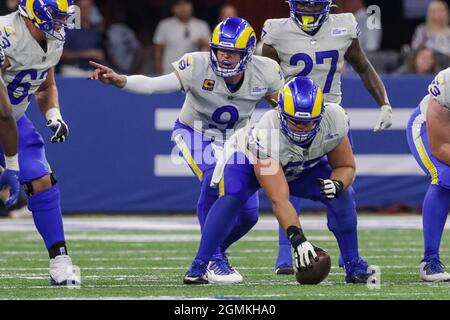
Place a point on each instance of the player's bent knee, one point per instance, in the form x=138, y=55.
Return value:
x=39, y=185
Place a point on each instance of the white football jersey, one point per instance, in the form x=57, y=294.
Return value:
x=265, y=140
x=320, y=57
x=29, y=64
x=210, y=107
x=439, y=89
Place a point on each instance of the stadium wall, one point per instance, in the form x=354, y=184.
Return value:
x=117, y=157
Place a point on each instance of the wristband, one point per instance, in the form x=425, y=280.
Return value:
x=12, y=163
x=296, y=236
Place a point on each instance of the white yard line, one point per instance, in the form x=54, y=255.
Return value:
x=190, y=223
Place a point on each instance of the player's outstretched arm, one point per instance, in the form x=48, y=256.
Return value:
x=438, y=128
x=272, y=179
x=358, y=59
x=342, y=162
x=137, y=83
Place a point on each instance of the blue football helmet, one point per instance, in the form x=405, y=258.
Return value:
x=310, y=20
x=301, y=100
x=232, y=34
x=50, y=16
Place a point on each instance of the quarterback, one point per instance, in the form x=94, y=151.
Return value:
x=428, y=134
x=32, y=41
x=302, y=149
x=315, y=44
x=222, y=89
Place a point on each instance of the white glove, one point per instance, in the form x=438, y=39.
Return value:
x=330, y=189
x=57, y=125
x=384, y=119
x=302, y=255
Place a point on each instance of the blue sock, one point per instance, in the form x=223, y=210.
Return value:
x=218, y=225
x=47, y=215
x=245, y=221
x=342, y=222
x=206, y=199
x=435, y=211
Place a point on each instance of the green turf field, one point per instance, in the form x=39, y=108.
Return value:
x=151, y=264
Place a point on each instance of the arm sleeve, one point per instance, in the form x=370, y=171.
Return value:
x=185, y=68
x=266, y=34
x=355, y=31
x=158, y=85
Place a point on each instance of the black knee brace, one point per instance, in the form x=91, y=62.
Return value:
x=28, y=185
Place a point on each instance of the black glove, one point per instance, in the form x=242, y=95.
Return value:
x=331, y=189
x=60, y=128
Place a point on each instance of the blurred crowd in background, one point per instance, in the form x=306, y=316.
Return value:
x=145, y=36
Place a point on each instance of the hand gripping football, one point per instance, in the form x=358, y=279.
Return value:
x=317, y=272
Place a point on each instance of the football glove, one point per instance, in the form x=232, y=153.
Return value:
x=57, y=125
x=10, y=178
x=330, y=189
x=303, y=249
x=384, y=119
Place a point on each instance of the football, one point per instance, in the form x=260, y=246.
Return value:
x=318, y=271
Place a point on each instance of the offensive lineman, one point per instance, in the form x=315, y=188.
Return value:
x=428, y=134
x=300, y=148
x=32, y=41
x=222, y=88
x=314, y=43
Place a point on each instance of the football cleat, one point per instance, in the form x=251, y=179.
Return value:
x=284, y=269
x=357, y=271
x=283, y=265
x=196, y=273
x=61, y=272
x=221, y=272
x=432, y=270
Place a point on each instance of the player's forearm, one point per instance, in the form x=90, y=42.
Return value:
x=8, y=135
x=374, y=85
x=285, y=213
x=158, y=85
x=47, y=99
x=344, y=174
x=8, y=127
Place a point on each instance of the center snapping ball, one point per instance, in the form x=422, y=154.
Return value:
x=318, y=270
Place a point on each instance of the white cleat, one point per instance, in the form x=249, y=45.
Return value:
x=433, y=270
x=62, y=272
x=221, y=272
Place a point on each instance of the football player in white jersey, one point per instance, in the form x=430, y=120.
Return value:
x=428, y=134
x=316, y=44
x=300, y=148
x=222, y=89
x=9, y=141
x=32, y=41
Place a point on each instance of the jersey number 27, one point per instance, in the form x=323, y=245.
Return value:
x=321, y=56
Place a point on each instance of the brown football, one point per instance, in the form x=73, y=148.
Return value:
x=317, y=272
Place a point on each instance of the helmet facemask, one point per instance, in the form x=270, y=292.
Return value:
x=309, y=15
x=224, y=68
x=299, y=138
